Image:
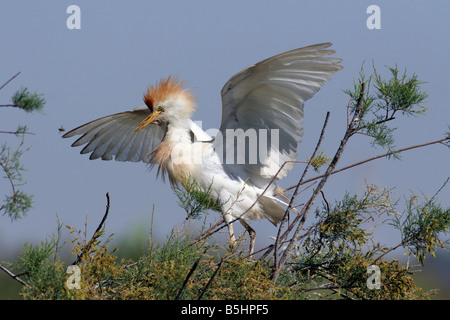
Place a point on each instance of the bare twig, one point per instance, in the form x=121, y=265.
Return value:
x=96, y=233
x=388, y=251
x=325, y=286
x=9, y=106
x=15, y=132
x=211, y=279
x=100, y=226
x=187, y=278
x=12, y=275
x=375, y=158
x=10, y=179
x=296, y=190
x=11, y=79
x=440, y=189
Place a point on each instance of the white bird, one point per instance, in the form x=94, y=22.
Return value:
x=263, y=101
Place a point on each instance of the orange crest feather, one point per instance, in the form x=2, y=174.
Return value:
x=164, y=89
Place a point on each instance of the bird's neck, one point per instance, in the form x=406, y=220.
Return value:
x=178, y=131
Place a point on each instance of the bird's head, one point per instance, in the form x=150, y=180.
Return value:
x=168, y=102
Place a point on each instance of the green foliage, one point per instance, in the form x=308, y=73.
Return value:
x=194, y=200
x=396, y=94
x=45, y=275
x=421, y=226
x=27, y=101
x=17, y=203
x=331, y=260
x=161, y=274
x=334, y=253
x=319, y=161
x=399, y=94
x=43, y=270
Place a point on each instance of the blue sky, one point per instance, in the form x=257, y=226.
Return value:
x=123, y=46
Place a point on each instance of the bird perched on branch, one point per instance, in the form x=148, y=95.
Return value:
x=261, y=128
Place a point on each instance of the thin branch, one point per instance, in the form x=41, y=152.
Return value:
x=15, y=132
x=211, y=279
x=325, y=286
x=378, y=122
x=307, y=207
x=388, y=251
x=12, y=275
x=375, y=158
x=211, y=230
x=326, y=201
x=296, y=189
x=12, y=78
x=9, y=177
x=100, y=226
x=440, y=189
x=187, y=278
x=96, y=233
x=288, y=230
x=348, y=112
x=9, y=106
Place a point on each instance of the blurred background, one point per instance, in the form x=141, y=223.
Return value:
x=124, y=46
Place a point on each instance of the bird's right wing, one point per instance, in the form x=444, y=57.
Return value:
x=114, y=136
x=269, y=96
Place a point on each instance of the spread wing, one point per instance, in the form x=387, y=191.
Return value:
x=267, y=98
x=114, y=136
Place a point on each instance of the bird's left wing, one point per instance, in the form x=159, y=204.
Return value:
x=269, y=96
x=115, y=136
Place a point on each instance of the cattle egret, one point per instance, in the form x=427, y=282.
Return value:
x=239, y=165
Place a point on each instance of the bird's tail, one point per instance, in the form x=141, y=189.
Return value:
x=271, y=209
x=274, y=208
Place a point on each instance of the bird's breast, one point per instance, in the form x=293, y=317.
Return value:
x=181, y=159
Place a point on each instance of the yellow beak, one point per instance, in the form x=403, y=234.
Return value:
x=147, y=120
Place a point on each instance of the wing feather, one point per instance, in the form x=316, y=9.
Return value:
x=114, y=137
x=270, y=95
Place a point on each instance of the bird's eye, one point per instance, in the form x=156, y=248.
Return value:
x=160, y=109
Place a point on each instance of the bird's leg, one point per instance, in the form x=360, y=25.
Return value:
x=228, y=220
x=252, y=235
